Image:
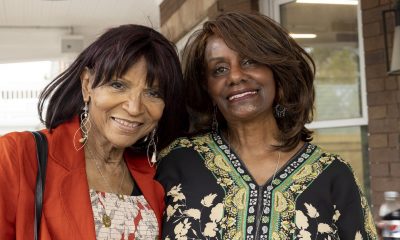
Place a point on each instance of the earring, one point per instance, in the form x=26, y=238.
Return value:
x=280, y=111
x=84, y=128
x=214, y=124
x=146, y=138
x=153, y=144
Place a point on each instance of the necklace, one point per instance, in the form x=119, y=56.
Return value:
x=106, y=219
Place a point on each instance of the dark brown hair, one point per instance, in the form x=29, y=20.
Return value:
x=112, y=54
x=259, y=38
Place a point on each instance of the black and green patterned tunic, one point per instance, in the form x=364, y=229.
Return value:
x=211, y=195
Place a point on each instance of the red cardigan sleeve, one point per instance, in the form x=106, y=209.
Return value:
x=18, y=168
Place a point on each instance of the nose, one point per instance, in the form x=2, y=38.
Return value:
x=236, y=75
x=134, y=104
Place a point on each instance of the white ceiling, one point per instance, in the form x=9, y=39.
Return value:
x=78, y=13
x=34, y=29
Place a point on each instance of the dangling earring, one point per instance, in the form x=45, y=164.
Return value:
x=280, y=111
x=153, y=144
x=84, y=128
x=146, y=138
x=214, y=124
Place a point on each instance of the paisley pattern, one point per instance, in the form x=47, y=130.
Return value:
x=211, y=195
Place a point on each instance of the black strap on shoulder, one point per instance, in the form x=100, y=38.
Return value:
x=41, y=154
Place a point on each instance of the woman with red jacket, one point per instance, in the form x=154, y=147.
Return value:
x=117, y=101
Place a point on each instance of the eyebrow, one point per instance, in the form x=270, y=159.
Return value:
x=213, y=59
x=119, y=79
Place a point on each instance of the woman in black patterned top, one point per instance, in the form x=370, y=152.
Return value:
x=250, y=170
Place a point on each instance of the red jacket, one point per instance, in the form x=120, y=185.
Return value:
x=67, y=211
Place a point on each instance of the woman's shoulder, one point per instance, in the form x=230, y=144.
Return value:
x=331, y=161
x=327, y=169
x=13, y=147
x=16, y=139
x=186, y=143
x=183, y=152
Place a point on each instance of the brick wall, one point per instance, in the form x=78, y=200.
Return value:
x=383, y=99
x=178, y=17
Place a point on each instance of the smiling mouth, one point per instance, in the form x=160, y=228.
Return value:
x=242, y=95
x=127, y=125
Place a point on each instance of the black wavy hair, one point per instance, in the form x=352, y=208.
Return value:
x=112, y=54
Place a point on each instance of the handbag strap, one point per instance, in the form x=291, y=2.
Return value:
x=41, y=154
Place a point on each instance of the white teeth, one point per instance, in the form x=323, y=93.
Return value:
x=242, y=95
x=125, y=123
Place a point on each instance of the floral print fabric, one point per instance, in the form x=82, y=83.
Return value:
x=211, y=195
x=123, y=217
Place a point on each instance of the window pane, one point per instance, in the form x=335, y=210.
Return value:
x=334, y=48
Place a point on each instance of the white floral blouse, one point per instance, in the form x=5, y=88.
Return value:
x=123, y=217
x=213, y=196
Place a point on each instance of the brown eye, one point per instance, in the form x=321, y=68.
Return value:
x=117, y=85
x=220, y=71
x=248, y=62
x=154, y=93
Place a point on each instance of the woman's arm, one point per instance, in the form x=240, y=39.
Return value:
x=354, y=215
x=9, y=185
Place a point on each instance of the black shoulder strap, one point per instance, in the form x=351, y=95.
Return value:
x=41, y=154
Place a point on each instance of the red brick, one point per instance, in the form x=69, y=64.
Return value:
x=380, y=98
x=375, y=57
x=375, y=85
x=387, y=125
x=372, y=29
x=377, y=112
x=379, y=170
x=391, y=83
x=394, y=139
x=382, y=155
x=385, y=184
x=392, y=111
x=374, y=14
x=395, y=169
x=374, y=43
x=383, y=2
x=377, y=198
x=378, y=140
x=366, y=4
x=376, y=71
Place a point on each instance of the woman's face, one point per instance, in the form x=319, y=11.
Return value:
x=242, y=88
x=125, y=109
